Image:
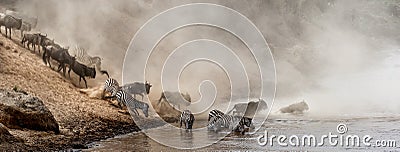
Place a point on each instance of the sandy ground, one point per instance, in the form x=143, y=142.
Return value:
x=81, y=119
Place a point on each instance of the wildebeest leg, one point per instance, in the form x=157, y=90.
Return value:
x=69, y=72
x=44, y=57
x=84, y=80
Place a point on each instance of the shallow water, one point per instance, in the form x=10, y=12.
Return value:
x=379, y=128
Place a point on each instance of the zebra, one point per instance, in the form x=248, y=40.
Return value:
x=233, y=123
x=11, y=22
x=131, y=103
x=83, y=57
x=2, y=15
x=110, y=85
x=187, y=118
x=137, y=88
x=214, y=114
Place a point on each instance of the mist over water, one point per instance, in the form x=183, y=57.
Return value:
x=340, y=56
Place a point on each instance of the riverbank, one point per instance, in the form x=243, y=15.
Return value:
x=81, y=119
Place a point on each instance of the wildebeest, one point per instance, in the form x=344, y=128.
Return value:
x=11, y=22
x=25, y=27
x=175, y=99
x=296, y=108
x=248, y=109
x=61, y=55
x=137, y=88
x=82, y=71
x=33, y=40
x=83, y=57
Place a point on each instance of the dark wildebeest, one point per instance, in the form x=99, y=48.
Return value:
x=61, y=55
x=137, y=88
x=248, y=109
x=33, y=40
x=11, y=22
x=82, y=71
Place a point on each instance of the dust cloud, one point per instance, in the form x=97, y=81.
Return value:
x=342, y=56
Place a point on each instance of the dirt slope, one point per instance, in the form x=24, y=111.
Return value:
x=81, y=119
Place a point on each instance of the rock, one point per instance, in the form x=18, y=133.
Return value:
x=5, y=136
x=8, y=47
x=296, y=108
x=21, y=110
x=1, y=43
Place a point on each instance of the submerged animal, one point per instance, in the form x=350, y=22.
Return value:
x=296, y=108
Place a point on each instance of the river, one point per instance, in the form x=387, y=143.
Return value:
x=382, y=128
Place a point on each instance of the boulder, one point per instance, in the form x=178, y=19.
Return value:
x=6, y=137
x=21, y=110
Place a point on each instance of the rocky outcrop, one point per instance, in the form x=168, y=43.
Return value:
x=5, y=136
x=20, y=110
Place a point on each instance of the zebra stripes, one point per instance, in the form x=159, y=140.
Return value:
x=187, y=118
x=111, y=85
x=131, y=103
x=214, y=114
x=83, y=57
x=218, y=120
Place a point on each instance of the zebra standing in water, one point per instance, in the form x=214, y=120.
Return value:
x=82, y=56
x=187, y=118
x=111, y=85
x=131, y=103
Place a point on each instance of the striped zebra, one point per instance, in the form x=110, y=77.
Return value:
x=83, y=57
x=111, y=85
x=131, y=103
x=218, y=120
x=187, y=118
x=214, y=114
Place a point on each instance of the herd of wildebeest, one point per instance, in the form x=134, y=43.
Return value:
x=84, y=65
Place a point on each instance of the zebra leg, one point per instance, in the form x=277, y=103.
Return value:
x=142, y=96
x=48, y=60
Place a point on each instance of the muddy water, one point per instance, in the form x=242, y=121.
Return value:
x=379, y=128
